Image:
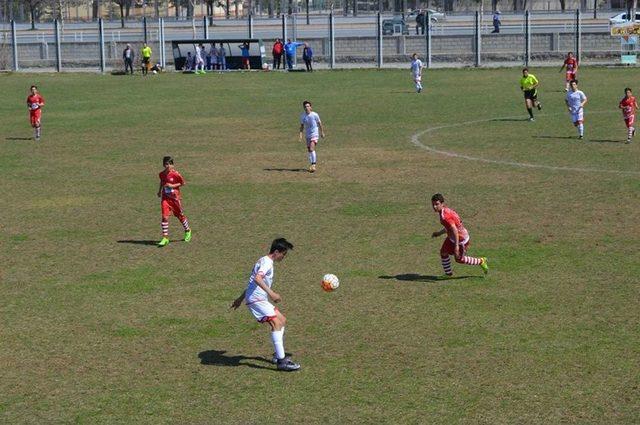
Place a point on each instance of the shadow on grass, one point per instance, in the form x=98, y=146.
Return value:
x=510, y=119
x=18, y=138
x=139, y=242
x=604, y=141
x=218, y=358
x=293, y=170
x=555, y=137
x=415, y=277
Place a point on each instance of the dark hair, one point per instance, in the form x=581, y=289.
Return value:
x=573, y=81
x=280, y=245
x=437, y=197
x=626, y=89
x=570, y=53
x=305, y=103
x=525, y=69
x=167, y=160
x=33, y=87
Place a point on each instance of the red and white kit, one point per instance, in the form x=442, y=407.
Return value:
x=571, y=65
x=628, y=106
x=171, y=200
x=450, y=220
x=34, y=102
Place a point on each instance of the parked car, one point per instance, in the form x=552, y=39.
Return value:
x=435, y=15
x=622, y=18
x=396, y=26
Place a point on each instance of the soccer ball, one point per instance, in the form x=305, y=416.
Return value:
x=330, y=282
x=154, y=71
x=265, y=66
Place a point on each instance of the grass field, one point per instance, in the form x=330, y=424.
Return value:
x=100, y=326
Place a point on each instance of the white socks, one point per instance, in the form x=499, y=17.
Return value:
x=581, y=129
x=278, y=343
x=312, y=157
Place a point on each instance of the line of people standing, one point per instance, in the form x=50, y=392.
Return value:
x=289, y=50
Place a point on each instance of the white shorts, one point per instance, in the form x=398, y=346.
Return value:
x=577, y=116
x=263, y=310
x=313, y=139
x=417, y=78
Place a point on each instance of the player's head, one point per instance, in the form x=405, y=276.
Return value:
x=525, y=71
x=306, y=105
x=573, y=84
x=33, y=89
x=570, y=54
x=414, y=56
x=167, y=161
x=288, y=40
x=627, y=91
x=279, y=248
x=437, y=202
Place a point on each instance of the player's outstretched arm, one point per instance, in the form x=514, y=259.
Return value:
x=439, y=233
x=238, y=301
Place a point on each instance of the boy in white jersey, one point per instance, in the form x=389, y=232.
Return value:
x=575, y=101
x=257, y=295
x=199, y=60
x=311, y=127
x=416, y=71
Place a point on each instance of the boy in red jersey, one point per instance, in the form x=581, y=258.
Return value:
x=34, y=103
x=571, y=65
x=629, y=105
x=171, y=201
x=457, y=240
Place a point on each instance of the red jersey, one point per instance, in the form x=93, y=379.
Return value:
x=450, y=219
x=571, y=64
x=34, y=101
x=172, y=177
x=628, y=106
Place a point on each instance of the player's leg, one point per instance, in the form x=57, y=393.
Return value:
x=536, y=101
x=35, y=123
x=164, y=222
x=629, y=121
x=311, y=150
x=578, y=121
x=176, y=208
x=463, y=258
x=528, y=105
x=446, y=251
x=277, y=338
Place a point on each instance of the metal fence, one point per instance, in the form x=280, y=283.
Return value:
x=337, y=42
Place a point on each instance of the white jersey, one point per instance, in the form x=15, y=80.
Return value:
x=311, y=123
x=416, y=67
x=198, y=54
x=254, y=293
x=574, y=99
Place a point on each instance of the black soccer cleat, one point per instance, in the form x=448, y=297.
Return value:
x=287, y=365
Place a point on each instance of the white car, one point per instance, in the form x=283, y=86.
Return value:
x=622, y=18
x=435, y=15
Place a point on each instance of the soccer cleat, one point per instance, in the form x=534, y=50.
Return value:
x=163, y=242
x=288, y=365
x=539, y=106
x=312, y=168
x=187, y=236
x=484, y=265
x=628, y=141
x=581, y=137
x=532, y=119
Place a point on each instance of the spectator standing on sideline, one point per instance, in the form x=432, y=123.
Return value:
x=244, y=48
x=146, y=58
x=307, y=56
x=213, y=52
x=290, y=52
x=420, y=21
x=222, y=58
x=277, y=53
x=128, y=56
x=496, y=22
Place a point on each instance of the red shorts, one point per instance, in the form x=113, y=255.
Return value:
x=571, y=75
x=34, y=117
x=245, y=62
x=169, y=205
x=449, y=248
x=629, y=120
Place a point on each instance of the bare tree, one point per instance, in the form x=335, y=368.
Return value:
x=34, y=10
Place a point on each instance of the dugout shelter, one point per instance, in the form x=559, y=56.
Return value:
x=257, y=55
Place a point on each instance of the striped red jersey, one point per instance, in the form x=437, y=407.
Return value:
x=628, y=105
x=571, y=64
x=171, y=177
x=450, y=219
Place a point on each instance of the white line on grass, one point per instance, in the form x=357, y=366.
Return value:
x=415, y=139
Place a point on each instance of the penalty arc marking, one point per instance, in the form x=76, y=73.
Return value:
x=415, y=139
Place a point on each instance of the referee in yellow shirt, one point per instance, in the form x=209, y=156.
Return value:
x=146, y=58
x=529, y=86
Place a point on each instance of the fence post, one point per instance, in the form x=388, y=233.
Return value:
x=163, y=56
x=56, y=30
x=427, y=27
x=332, y=43
x=144, y=27
x=284, y=27
x=250, y=25
x=578, y=35
x=101, y=40
x=527, y=38
x=478, y=39
x=205, y=27
x=379, y=39
x=14, y=44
